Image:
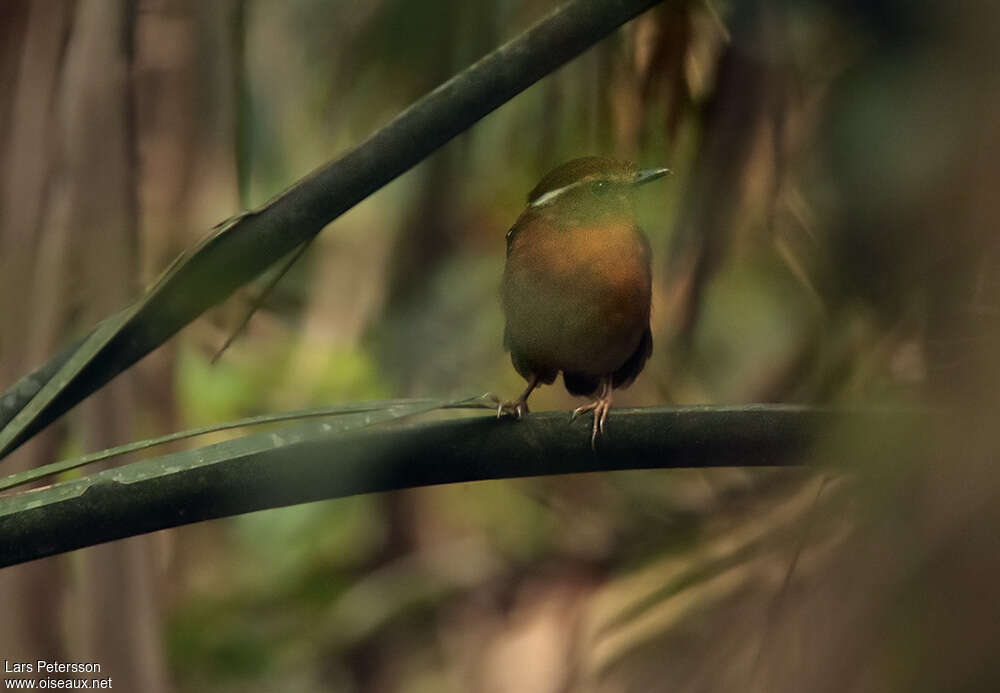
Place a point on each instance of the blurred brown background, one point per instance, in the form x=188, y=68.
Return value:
x=828, y=238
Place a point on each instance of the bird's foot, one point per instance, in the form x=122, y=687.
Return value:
x=517, y=408
x=600, y=406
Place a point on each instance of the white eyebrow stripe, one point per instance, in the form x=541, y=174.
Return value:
x=552, y=194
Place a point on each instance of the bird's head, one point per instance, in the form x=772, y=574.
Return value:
x=591, y=186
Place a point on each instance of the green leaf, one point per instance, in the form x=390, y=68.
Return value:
x=376, y=412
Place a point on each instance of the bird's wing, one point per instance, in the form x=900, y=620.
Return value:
x=585, y=385
x=628, y=371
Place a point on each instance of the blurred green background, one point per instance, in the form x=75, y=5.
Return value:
x=828, y=238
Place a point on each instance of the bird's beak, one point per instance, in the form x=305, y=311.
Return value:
x=647, y=174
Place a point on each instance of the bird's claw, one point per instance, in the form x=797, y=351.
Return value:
x=600, y=407
x=518, y=408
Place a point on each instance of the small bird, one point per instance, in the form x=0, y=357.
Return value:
x=577, y=284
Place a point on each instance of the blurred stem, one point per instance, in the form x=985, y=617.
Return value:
x=243, y=112
x=258, y=300
x=733, y=117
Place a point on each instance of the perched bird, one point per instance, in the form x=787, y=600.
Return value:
x=577, y=284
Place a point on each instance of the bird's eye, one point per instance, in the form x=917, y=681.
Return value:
x=601, y=186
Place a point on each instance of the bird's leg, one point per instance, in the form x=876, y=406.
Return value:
x=600, y=406
x=519, y=407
